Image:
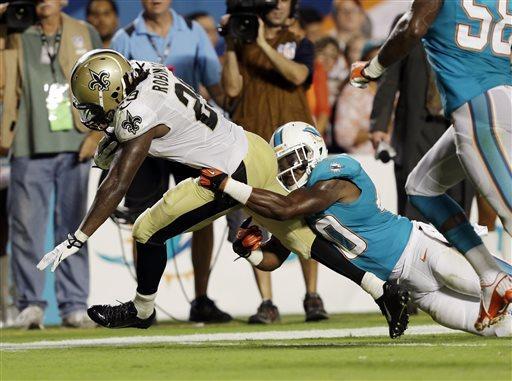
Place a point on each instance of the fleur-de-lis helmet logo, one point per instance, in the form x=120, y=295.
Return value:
x=99, y=80
x=131, y=124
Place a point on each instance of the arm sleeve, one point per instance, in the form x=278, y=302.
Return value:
x=121, y=43
x=305, y=55
x=208, y=62
x=384, y=101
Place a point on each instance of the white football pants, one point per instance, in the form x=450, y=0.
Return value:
x=442, y=282
x=479, y=145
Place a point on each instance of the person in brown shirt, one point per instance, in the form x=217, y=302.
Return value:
x=267, y=81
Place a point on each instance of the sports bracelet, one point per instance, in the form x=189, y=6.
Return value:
x=256, y=257
x=238, y=190
x=81, y=236
x=374, y=69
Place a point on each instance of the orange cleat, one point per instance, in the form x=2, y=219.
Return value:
x=494, y=301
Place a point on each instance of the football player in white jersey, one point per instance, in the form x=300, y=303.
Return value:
x=145, y=110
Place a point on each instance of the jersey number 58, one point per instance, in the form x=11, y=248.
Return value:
x=489, y=31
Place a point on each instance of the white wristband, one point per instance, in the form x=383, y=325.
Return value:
x=374, y=70
x=256, y=257
x=239, y=191
x=81, y=236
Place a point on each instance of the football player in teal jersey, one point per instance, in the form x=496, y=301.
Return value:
x=339, y=202
x=468, y=43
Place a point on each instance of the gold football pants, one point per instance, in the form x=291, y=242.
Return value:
x=189, y=207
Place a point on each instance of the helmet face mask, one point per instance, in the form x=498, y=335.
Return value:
x=98, y=85
x=293, y=168
x=93, y=116
x=299, y=147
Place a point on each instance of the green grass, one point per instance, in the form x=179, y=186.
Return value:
x=440, y=357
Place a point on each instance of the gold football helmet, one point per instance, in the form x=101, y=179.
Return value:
x=98, y=81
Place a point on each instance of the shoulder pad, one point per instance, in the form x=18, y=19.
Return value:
x=133, y=118
x=335, y=167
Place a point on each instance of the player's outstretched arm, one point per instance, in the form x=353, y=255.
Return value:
x=299, y=203
x=126, y=163
x=112, y=190
x=407, y=33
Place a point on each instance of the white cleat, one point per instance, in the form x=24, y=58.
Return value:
x=494, y=301
x=30, y=318
x=78, y=319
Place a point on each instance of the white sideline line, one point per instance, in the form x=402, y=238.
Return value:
x=219, y=337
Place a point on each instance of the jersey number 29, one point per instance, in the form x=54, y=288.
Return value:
x=186, y=95
x=489, y=31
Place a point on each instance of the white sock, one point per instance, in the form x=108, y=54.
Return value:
x=145, y=304
x=372, y=285
x=483, y=263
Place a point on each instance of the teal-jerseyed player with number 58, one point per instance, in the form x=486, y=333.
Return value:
x=468, y=44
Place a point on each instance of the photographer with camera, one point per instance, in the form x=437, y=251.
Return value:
x=50, y=151
x=266, y=73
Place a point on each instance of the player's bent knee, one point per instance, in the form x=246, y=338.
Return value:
x=412, y=184
x=417, y=184
x=140, y=230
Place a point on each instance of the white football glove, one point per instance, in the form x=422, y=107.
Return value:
x=61, y=252
x=105, y=153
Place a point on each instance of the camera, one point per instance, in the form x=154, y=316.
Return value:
x=243, y=22
x=20, y=14
x=385, y=152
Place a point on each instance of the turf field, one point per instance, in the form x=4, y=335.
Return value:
x=346, y=347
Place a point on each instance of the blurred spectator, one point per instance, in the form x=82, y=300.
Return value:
x=310, y=21
x=354, y=107
x=350, y=20
x=418, y=123
x=269, y=79
x=354, y=48
x=208, y=23
x=159, y=34
x=104, y=16
x=50, y=156
x=326, y=54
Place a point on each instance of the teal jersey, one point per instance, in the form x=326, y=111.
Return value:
x=371, y=237
x=468, y=46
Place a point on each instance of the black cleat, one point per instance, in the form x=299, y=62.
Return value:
x=314, y=308
x=393, y=305
x=267, y=313
x=204, y=310
x=123, y=315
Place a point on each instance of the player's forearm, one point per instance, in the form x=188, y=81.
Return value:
x=270, y=262
x=271, y=205
x=294, y=72
x=232, y=80
x=274, y=255
x=108, y=197
x=409, y=31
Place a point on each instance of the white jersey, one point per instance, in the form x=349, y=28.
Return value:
x=198, y=136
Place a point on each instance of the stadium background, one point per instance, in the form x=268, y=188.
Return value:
x=232, y=284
